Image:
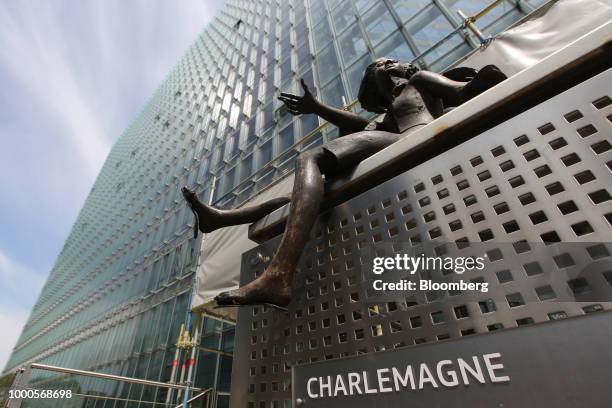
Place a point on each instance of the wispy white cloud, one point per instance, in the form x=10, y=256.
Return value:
x=11, y=321
x=20, y=288
x=32, y=50
x=72, y=76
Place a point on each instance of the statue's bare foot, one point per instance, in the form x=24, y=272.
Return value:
x=485, y=79
x=268, y=288
x=208, y=218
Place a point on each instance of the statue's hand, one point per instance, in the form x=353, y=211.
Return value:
x=298, y=105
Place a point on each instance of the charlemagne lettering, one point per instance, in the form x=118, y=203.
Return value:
x=444, y=373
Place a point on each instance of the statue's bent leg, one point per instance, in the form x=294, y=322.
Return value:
x=274, y=285
x=211, y=218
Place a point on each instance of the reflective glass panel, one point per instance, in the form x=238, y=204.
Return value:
x=327, y=62
x=378, y=23
x=395, y=47
x=352, y=44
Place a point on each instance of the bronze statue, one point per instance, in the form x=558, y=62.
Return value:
x=408, y=98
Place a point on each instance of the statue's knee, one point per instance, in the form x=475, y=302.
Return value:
x=312, y=155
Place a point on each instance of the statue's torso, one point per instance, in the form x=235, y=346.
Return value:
x=407, y=110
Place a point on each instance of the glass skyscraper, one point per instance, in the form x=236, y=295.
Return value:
x=119, y=290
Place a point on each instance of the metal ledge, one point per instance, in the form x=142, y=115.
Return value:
x=565, y=68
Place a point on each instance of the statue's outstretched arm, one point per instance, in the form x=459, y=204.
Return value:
x=348, y=122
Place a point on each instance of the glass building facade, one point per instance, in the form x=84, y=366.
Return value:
x=119, y=290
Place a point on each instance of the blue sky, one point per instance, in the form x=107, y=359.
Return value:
x=72, y=76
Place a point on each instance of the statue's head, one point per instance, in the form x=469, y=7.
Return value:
x=379, y=79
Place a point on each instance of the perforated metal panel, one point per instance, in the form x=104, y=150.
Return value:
x=544, y=176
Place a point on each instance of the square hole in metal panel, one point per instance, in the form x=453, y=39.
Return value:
x=438, y=317
x=515, y=299
x=359, y=334
x=437, y=179
x=486, y=235
x=542, y=170
x=395, y=326
x=511, y=226
x=467, y=332
x=573, y=116
x=592, y=308
x=470, y=200
x=504, y=276
x=406, y=209
x=462, y=184
x=554, y=188
x=526, y=198
x=410, y=224
x=435, y=232
x=506, y=165
x=492, y=191
x=449, y=208
x=477, y=217
x=602, y=102
x=584, y=177
x=425, y=201
x=538, y=217
x=494, y=255
x=608, y=277
x=600, y=196
x=495, y=326
x=416, y=322
x=456, y=170
x=524, y=321
x=558, y=315
x=441, y=250
x=601, y=147
x=501, y=208
x=533, y=268
x=461, y=312
x=419, y=187
x=550, y=237
x=558, y=143
x=571, y=159
x=598, y=251
x=521, y=246
x=443, y=193
x=586, y=131
x=608, y=217
x=582, y=228
x=516, y=181
x=579, y=286
x=545, y=292
x=521, y=140
x=498, y=151
x=484, y=175
x=455, y=225
x=402, y=195
x=546, y=128
x=487, y=306
x=567, y=207
x=476, y=161
x=531, y=155
x=564, y=260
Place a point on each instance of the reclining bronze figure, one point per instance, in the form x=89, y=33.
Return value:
x=408, y=98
